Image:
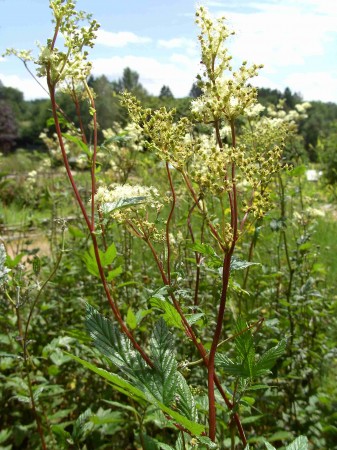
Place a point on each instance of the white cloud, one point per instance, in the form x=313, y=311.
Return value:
x=190, y=46
x=28, y=86
x=120, y=39
x=153, y=74
x=314, y=85
x=176, y=43
x=282, y=34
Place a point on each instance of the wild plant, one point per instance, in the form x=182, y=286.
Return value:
x=217, y=185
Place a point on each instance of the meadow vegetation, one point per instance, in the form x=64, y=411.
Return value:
x=167, y=278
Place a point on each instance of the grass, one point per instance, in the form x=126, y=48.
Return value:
x=20, y=161
x=325, y=237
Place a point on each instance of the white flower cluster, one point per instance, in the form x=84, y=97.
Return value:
x=71, y=64
x=226, y=94
x=292, y=116
x=131, y=137
x=126, y=196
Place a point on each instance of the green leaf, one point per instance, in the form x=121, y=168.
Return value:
x=3, y=269
x=193, y=318
x=36, y=265
x=256, y=387
x=122, y=204
x=170, y=314
x=63, y=436
x=82, y=426
x=122, y=406
x=76, y=232
x=213, y=260
x=233, y=368
x=239, y=264
x=137, y=394
x=298, y=171
x=280, y=436
x=269, y=446
x=268, y=359
x=244, y=346
x=110, y=341
x=161, y=385
x=13, y=262
x=109, y=255
x=4, y=435
x=106, y=258
x=300, y=443
x=114, y=273
x=76, y=140
x=251, y=419
x=207, y=441
x=131, y=319
x=118, y=382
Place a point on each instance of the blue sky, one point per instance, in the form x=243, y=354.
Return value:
x=296, y=40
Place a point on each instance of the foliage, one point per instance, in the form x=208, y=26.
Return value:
x=209, y=322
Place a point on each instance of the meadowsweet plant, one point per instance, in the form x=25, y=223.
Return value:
x=217, y=184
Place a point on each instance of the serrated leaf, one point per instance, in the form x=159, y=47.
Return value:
x=193, y=318
x=239, y=264
x=106, y=258
x=185, y=402
x=207, y=441
x=122, y=204
x=3, y=269
x=269, y=446
x=280, y=436
x=268, y=359
x=300, y=443
x=137, y=394
x=213, y=260
x=63, y=435
x=170, y=314
x=109, y=255
x=117, y=381
x=76, y=140
x=233, y=368
x=114, y=273
x=131, y=319
x=244, y=346
x=82, y=425
x=110, y=341
x=158, y=385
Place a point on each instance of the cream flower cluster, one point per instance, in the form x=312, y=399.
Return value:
x=71, y=63
x=129, y=205
x=132, y=137
x=165, y=137
x=226, y=94
x=121, y=192
x=208, y=166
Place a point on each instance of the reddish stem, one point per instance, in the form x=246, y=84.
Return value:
x=173, y=204
x=90, y=226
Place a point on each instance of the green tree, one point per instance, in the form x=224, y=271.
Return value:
x=165, y=92
x=317, y=126
x=8, y=127
x=328, y=154
x=291, y=99
x=195, y=90
x=130, y=82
